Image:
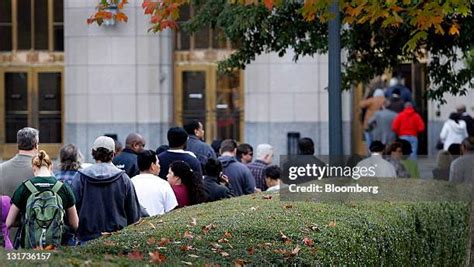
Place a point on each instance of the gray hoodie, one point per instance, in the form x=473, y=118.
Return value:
x=105, y=199
x=240, y=177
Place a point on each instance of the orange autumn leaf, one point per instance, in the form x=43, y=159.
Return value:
x=185, y=248
x=120, y=16
x=207, y=228
x=227, y=234
x=164, y=242
x=157, y=257
x=268, y=4
x=332, y=224
x=454, y=29
x=308, y=242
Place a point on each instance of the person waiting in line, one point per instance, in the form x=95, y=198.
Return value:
x=127, y=160
x=462, y=169
x=177, y=138
x=410, y=165
x=407, y=125
x=263, y=159
x=273, y=178
x=381, y=167
x=454, y=131
x=5, y=235
x=196, y=143
x=215, y=181
x=70, y=162
x=104, y=193
x=443, y=162
x=371, y=105
x=394, y=156
x=154, y=194
x=42, y=181
x=186, y=184
x=244, y=153
x=455, y=150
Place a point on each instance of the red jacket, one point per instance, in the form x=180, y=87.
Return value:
x=408, y=122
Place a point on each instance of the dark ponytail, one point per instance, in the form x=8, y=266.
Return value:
x=191, y=180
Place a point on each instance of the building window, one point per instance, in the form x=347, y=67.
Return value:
x=31, y=25
x=206, y=38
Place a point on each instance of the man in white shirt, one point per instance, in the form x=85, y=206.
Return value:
x=154, y=193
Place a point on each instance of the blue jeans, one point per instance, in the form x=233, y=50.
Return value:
x=368, y=141
x=414, y=145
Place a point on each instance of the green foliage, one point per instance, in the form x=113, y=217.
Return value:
x=260, y=231
x=371, y=46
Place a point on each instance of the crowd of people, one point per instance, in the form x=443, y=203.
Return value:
x=45, y=206
x=390, y=118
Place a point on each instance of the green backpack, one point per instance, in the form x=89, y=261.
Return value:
x=44, y=218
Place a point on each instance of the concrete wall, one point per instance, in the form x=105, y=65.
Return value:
x=282, y=96
x=118, y=78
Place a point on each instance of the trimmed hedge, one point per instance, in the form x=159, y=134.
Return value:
x=260, y=231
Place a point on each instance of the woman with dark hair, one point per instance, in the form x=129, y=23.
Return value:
x=70, y=162
x=454, y=131
x=186, y=184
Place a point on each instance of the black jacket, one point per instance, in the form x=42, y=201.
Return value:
x=215, y=191
x=105, y=199
x=127, y=161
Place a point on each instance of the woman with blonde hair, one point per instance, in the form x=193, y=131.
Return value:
x=29, y=200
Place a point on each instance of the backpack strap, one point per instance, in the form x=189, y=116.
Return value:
x=57, y=186
x=31, y=187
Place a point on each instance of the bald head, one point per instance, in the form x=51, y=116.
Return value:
x=135, y=142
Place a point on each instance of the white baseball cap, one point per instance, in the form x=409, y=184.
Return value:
x=104, y=142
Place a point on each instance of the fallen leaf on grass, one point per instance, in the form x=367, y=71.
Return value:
x=227, y=234
x=253, y=208
x=267, y=197
x=250, y=251
x=225, y=254
x=223, y=240
x=239, y=263
x=308, y=242
x=314, y=227
x=193, y=222
x=295, y=250
x=207, y=228
x=216, y=246
x=193, y=256
x=185, y=248
x=285, y=238
x=187, y=263
x=164, y=242
x=135, y=255
x=157, y=257
x=332, y=224
x=152, y=226
x=288, y=206
x=188, y=235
